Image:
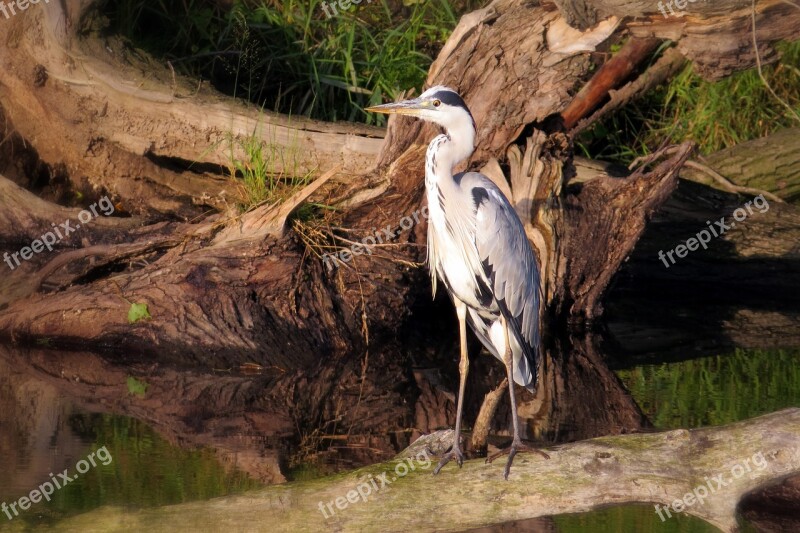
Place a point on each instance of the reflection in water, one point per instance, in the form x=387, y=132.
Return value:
x=45, y=432
x=715, y=390
x=578, y=396
x=176, y=443
x=638, y=518
x=619, y=519
x=35, y=437
x=145, y=470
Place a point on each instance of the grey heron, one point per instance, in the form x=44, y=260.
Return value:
x=478, y=249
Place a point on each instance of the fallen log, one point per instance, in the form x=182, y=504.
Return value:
x=769, y=163
x=702, y=472
x=129, y=126
x=229, y=294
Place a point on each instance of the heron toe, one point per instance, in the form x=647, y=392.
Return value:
x=512, y=451
x=454, y=453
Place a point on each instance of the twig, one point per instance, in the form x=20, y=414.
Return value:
x=728, y=185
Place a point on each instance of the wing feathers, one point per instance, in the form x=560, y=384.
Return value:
x=508, y=264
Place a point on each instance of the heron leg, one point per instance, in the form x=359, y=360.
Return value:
x=463, y=368
x=516, y=444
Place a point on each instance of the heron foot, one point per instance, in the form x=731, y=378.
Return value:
x=454, y=453
x=512, y=451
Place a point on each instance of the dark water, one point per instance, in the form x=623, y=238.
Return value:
x=42, y=433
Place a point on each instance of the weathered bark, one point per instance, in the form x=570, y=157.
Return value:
x=722, y=43
x=217, y=291
x=715, y=36
x=657, y=468
x=776, y=508
x=757, y=262
x=227, y=312
x=666, y=66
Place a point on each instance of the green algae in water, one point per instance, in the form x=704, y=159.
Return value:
x=716, y=390
x=145, y=471
x=638, y=518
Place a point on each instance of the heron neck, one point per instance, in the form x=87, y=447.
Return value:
x=446, y=151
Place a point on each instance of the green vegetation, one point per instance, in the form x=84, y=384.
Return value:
x=291, y=57
x=139, y=388
x=715, y=115
x=138, y=312
x=145, y=471
x=715, y=390
x=268, y=173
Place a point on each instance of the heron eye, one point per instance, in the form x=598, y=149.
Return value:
x=437, y=103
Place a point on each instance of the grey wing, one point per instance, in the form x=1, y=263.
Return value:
x=510, y=268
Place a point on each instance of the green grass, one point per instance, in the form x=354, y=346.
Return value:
x=269, y=173
x=288, y=55
x=715, y=115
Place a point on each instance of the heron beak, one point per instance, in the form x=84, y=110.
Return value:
x=406, y=107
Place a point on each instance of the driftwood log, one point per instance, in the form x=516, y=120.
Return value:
x=703, y=472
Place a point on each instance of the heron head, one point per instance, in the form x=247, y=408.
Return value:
x=439, y=104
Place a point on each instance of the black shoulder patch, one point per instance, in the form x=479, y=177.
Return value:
x=479, y=195
x=483, y=293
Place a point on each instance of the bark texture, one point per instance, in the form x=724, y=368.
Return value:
x=222, y=282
